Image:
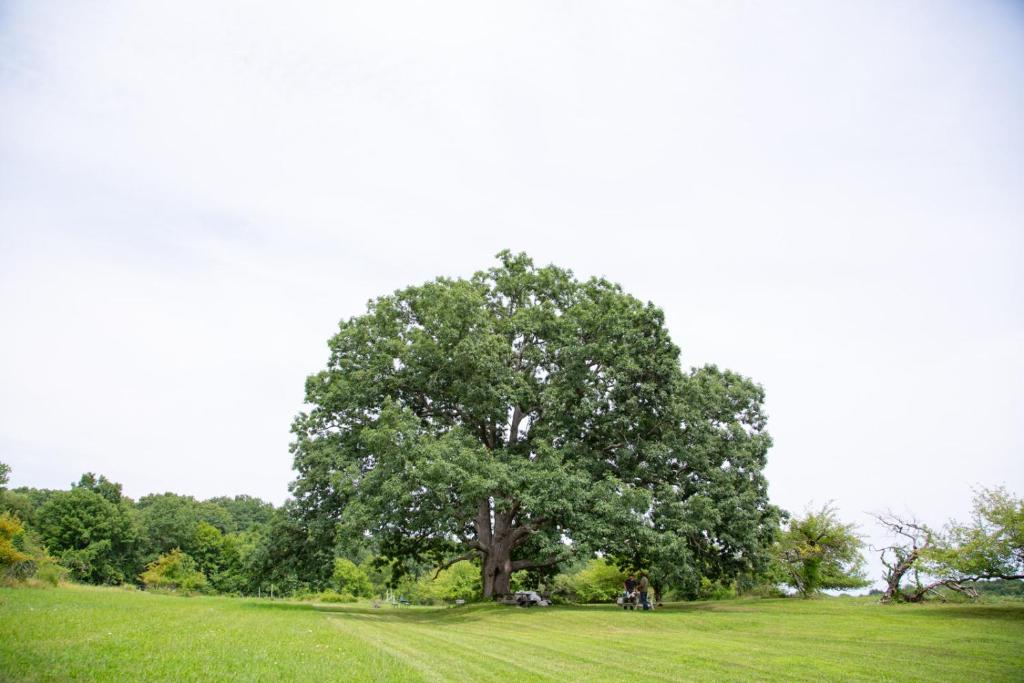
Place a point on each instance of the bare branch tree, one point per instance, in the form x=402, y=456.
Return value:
x=912, y=538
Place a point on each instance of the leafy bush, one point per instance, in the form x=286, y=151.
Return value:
x=461, y=581
x=23, y=557
x=348, y=577
x=174, y=571
x=715, y=590
x=334, y=596
x=95, y=563
x=49, y=572
x=12, y=543
x=763, y=590
x=598, y=581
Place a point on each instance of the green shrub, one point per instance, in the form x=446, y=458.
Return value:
x=96, y=563
x=348, y=577
x=334, y=596
x=12, y=543
x=715, y=590
x=49, y=572
x=23, y=557
x=598, y=581
x=461, y=581
x=765, y=590
x=175, y=571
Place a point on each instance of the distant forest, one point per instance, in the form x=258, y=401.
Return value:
x=242, y=545
x=103, y=537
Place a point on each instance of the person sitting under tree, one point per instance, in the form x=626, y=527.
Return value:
x=629, y=594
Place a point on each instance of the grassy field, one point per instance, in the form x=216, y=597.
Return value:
x=111, y=634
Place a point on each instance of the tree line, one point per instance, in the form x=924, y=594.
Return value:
x=97, y=535
x=241, y=545
x=521, y=422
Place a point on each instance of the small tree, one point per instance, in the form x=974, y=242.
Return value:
x=235, y=573
x=174, y=571
x=989, y=546
x=598, y=581
x=208, y=548
x=94, y=537
x=348, y=577
x=912, y=541
x=817, y=552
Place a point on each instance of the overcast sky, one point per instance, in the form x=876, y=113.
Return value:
x=826, y=197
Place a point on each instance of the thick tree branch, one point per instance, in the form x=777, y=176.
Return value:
x=958, y=584
x=513, y=432
x=514, y=511
x=989, y=577
x=475, y=544
x=523, y=530
x=516, y=565
x=468, y=555
x=483, y=524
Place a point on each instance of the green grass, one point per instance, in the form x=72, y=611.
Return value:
x=80, y=633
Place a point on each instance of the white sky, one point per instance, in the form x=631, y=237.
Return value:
x=827, y=197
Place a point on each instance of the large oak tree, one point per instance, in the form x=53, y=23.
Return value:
x=522, y=415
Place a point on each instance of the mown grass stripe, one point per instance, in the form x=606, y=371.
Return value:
x=496, y=648
x=650, y=660
x=460, y=646
x=108, y=634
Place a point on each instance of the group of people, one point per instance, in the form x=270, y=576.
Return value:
x=636, y=589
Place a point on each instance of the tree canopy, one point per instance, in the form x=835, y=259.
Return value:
x=989, y=546
x=94, y=537
x=818, y=551
x=521, y=415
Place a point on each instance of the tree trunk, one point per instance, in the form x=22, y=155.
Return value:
x=496, y=543
x=497, y=535
x=497, y=570
x=894, y=576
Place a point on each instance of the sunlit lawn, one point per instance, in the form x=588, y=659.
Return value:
x=111, y=634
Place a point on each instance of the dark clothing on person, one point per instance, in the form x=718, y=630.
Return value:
x=630, y=585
